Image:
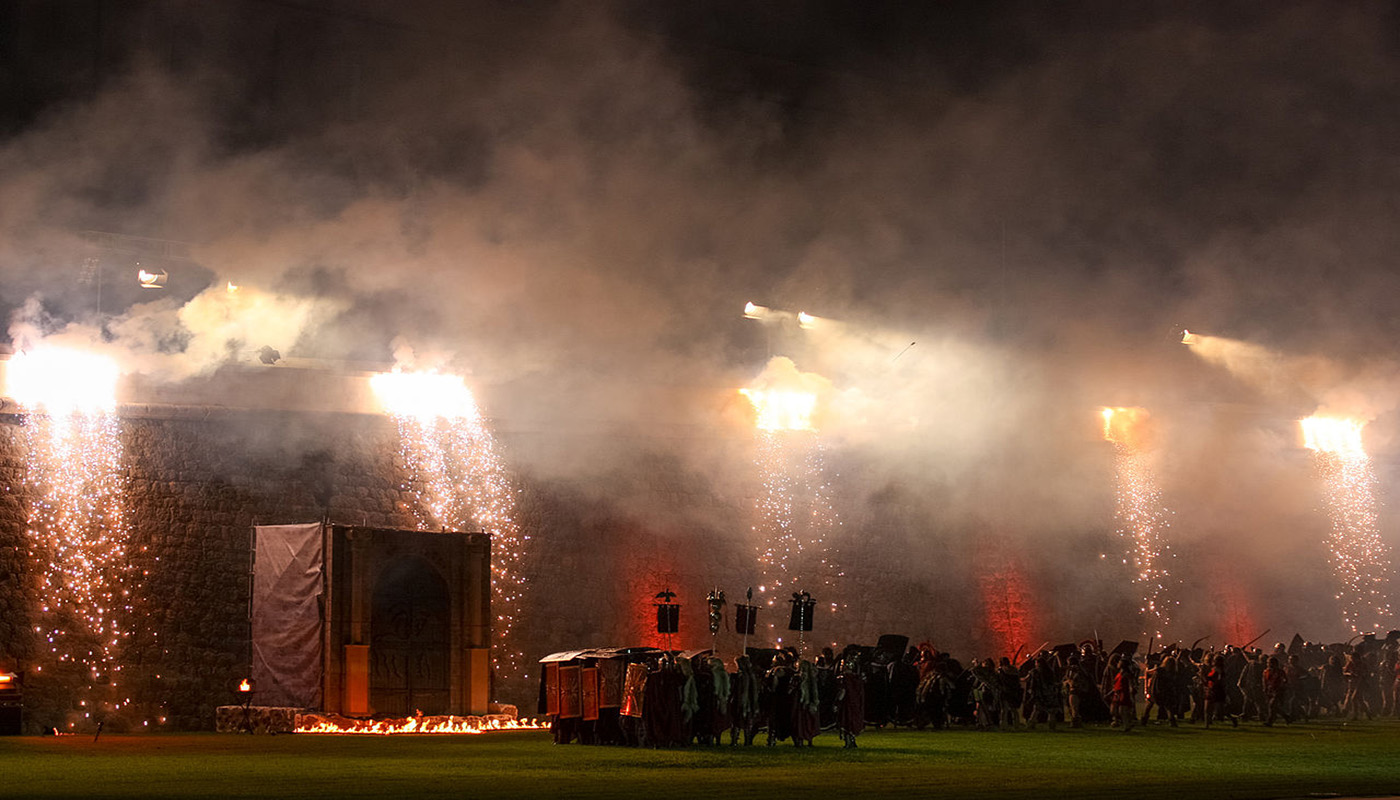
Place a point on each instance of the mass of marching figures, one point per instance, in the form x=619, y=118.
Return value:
x=653, y=698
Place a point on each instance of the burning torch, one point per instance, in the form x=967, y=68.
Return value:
x=245, y=690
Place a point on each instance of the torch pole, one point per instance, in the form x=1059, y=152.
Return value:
x=248, y=711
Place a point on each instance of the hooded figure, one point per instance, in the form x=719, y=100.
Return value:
x=779, y=701
x=662, y=716
x=744, y=701
x=702, y=721
x=806, y=702
x=720, y=719
x=690, y=700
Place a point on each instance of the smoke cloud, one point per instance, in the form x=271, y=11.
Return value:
x=1000, y=218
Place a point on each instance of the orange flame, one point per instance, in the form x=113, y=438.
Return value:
x=780, y=410
x=425, y=395
x=62, y=380
x=1333, y=435
x=1126, y=426
x=329, y=723
x=785, y=398
x=245, y=685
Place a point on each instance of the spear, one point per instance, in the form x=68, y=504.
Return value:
x=1257, y=638
x=748, y=596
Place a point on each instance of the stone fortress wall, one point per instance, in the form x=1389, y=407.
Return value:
x=199, y=477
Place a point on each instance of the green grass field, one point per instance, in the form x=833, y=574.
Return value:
x=1297, y=761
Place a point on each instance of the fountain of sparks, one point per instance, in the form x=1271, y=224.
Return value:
x=455, y=474
x=1142, y=519
x=1359, y=557
x=78, y=526
x=794, y=508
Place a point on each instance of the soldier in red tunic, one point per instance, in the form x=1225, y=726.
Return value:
x=1124, y=695
x=1275, y=692
x=1214, y=678
x=850, y=698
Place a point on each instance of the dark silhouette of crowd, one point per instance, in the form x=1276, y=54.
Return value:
x=772, y=696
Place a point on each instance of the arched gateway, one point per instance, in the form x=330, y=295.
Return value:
x=372, y=621
x=410, y=640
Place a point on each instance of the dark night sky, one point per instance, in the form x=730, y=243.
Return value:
x=1235, y=160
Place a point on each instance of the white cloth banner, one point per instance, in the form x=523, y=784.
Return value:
x=287, y=615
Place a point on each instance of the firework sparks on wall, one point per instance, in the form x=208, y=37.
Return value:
x=1142, y=519
x=1359, y=557
x=458, y=482
x=78, y=530
x=794, y=510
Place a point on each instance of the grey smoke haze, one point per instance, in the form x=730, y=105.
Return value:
x=572, y=202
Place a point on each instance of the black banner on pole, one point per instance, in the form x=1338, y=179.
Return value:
x=668, y=618
x=803, y=607
x=745, y=617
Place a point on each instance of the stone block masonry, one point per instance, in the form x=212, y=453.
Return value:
x=197, y=481
x=644, y=519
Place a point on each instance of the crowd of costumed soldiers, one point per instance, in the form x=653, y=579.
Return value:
x=651, y=697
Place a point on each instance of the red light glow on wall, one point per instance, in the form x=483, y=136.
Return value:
x=1008, y=601
x=1234, y=610
x=650, y=566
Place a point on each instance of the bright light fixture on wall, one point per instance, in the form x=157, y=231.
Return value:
x=149, y=279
